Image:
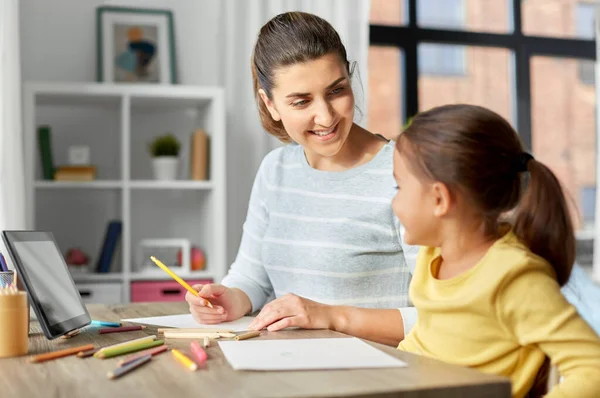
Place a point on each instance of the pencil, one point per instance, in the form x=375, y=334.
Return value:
x=88, y=353
x=114, y=352
x=106, y=324
x=195, y=330
x=120, y=371
x=121, y=329
x=206, y=342
x=171, y=335
x=185, y=361
x=59, y=354
x=247, y=335
x=151, y=351
x=198, y=352
x=178, y=279
x=126, y=343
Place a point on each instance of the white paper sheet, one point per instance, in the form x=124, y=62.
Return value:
x=306, y=354
x=186, y=321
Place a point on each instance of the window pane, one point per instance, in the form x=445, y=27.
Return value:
x=385, y=107
x=486, y=77
x=559, y=18
x=473, y=15
x=564, y=134
x=389, y=12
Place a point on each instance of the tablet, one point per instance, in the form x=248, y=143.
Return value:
x=43, y=271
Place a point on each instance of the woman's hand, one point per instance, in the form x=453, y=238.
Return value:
x=293, y=311
x=228, y=304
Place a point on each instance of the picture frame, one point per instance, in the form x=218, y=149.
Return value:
x=135, y=45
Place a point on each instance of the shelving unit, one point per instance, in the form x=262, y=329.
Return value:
x=117, y=122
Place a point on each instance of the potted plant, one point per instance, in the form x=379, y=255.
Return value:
x=165, y=157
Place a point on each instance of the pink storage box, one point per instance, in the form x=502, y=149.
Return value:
x=157, y=291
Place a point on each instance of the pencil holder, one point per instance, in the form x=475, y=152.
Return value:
x=7, y=278
x=14, y=324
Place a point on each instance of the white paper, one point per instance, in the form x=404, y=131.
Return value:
x=306, y=354
x=186, y=321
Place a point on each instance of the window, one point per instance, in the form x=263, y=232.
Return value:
x=588, y=203
x=438, y=59
x=585, y=30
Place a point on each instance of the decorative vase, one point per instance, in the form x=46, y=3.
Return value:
x=165, y=167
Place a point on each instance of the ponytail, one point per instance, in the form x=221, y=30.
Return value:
x=543, y=222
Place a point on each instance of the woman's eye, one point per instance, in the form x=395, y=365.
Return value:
x=300, y=103
x=337, y=90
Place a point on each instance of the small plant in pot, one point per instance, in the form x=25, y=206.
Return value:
x=165, y=157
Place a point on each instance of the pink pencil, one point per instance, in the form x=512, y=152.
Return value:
x=151, y=351
x=199, y=353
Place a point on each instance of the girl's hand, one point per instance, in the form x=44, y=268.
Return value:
x=293, y=311
x=226, y=302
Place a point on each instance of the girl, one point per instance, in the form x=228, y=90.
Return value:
x=488, y=292
x=320, y=235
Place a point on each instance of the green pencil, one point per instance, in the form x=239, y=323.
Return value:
x=113, y=352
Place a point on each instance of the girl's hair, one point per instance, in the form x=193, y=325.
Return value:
x=475, y=151
x=288, y=39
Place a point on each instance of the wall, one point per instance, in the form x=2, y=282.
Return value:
x=58, y=43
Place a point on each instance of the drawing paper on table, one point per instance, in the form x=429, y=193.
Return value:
x=186, y=321
x=305, y=354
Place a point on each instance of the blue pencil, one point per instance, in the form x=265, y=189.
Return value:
x=3, y=265
x=106, y=324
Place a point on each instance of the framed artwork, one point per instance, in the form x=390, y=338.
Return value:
x=135, y=45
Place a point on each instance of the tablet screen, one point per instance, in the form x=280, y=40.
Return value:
x=50, y=280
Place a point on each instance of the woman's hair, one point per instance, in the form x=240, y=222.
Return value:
x=288, y=39
x=476, y=152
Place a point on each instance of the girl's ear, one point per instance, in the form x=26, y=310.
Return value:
x=269, y=104
x=442, y=199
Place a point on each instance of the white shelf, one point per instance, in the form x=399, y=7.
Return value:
x=117, y=121
x=180, y=184
x=98, y=184
x=162, y=276
x=97, y=277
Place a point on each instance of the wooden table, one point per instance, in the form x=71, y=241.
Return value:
x=165, y=377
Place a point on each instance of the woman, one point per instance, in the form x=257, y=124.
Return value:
x=320, y=235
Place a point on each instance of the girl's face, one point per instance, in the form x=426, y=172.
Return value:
x=315, y=103
x=415, y=204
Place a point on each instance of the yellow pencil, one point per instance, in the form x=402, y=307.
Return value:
x=187, y=362
x=178, y=279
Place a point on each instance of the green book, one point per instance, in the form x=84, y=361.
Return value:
x=46, y=152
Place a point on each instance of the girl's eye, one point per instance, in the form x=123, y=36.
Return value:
x=337, y=90
x=300, y=103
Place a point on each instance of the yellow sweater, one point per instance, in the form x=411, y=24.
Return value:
x=503, y=316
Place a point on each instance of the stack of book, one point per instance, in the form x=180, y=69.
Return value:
x=75, y=173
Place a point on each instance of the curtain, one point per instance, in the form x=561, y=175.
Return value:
x=247, y=142
x=12, y=177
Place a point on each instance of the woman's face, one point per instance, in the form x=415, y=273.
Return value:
x=315, y=104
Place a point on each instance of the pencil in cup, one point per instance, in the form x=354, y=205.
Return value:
x=151, y=351
x=184, y=360
x=178, y=279
x=121, y=370
x=126, y=343
x=7, y=278
x=60, y=354
x=114, y=352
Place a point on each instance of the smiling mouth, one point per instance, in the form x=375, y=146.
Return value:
x=325, y=133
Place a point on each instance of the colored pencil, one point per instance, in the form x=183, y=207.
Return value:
x=198, y=352
x=178, y=279
x=184, y=360
x=199, y=330
x=115, y=352
x=171, y=335
x=121, y=329
x=151, y=351
x=127, y=343
x=120, y=371
x=106, y=324
x=61, y=353
x=88, y=353
x=247, y=335
x=206, y=342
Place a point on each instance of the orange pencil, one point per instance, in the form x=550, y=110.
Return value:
x=59, y=354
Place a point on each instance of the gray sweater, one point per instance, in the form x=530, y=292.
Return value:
x=331, y=237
